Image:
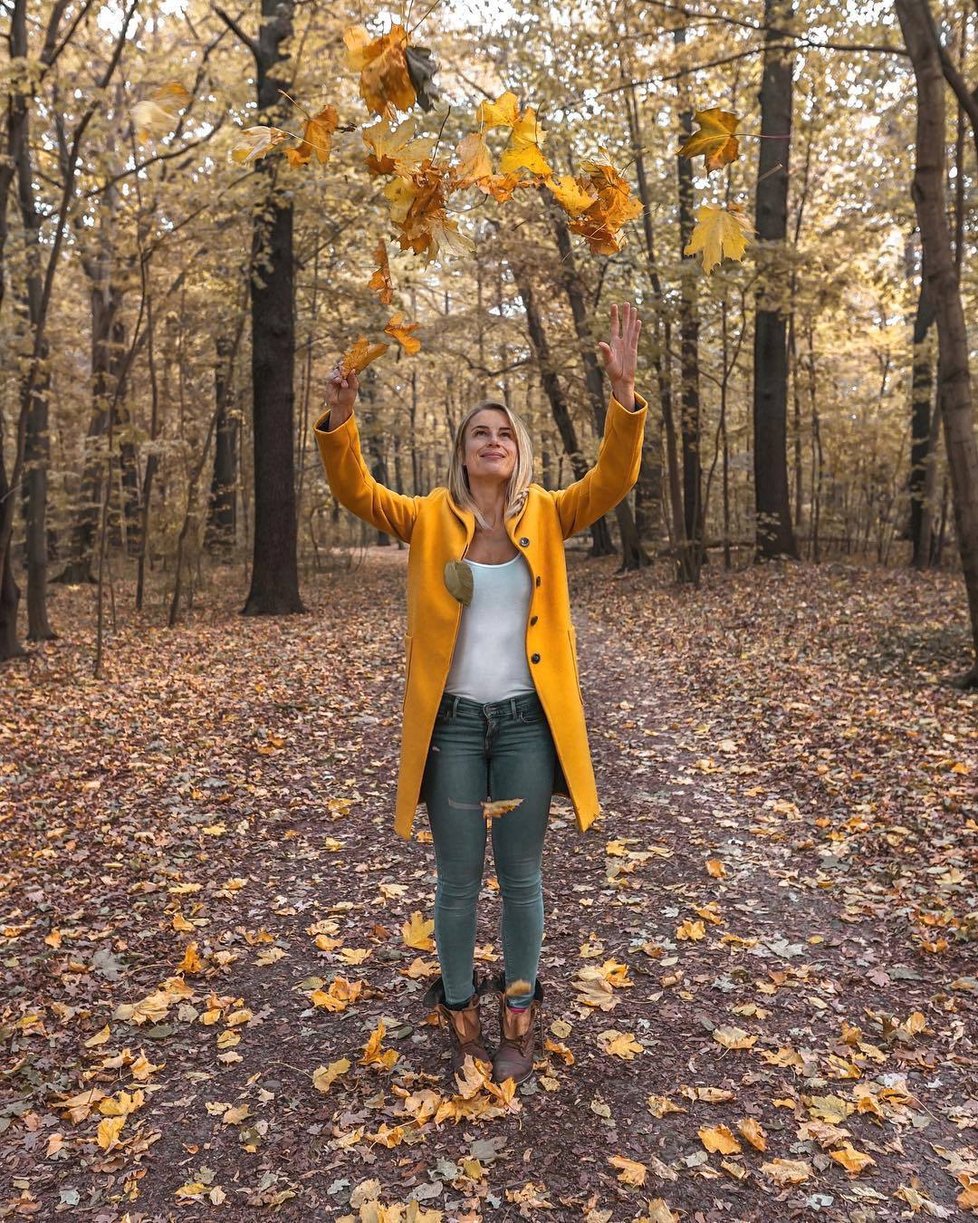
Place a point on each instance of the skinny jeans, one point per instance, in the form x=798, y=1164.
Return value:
x=503, y=749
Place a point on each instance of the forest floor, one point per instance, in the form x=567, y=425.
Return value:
x=760, y=964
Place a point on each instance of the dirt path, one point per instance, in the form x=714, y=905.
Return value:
x=773, y=907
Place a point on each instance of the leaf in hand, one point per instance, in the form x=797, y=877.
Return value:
x=380, y=281
x=715, y=141
x=720, y=233
x=401, y=331
x=316, y=139
x=157, y=115
x=359, y=355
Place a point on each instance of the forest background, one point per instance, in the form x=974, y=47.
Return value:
x=169, y=313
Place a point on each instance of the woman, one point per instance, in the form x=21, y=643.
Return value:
x=492, y=708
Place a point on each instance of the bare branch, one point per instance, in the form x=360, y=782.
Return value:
x=235, y=29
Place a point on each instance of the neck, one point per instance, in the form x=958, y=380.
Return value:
x=490, y=497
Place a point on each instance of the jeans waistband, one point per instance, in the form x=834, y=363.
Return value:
x=512, y=705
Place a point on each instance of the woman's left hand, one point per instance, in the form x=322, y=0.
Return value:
x=620, y=353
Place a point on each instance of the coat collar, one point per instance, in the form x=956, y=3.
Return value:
x=467, y=518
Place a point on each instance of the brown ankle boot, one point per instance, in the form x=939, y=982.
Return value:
x=517, y=1030
x=464, y=1026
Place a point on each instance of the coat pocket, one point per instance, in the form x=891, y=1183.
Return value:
x=572, y=637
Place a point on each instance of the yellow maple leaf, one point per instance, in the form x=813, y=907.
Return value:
x=325, y=1076
x=253, y=143
x=691, y=930
x=572, y=194
x=631, y=1172
x=619, y=1044
x=504, y=112
x=372, y=1053
x=720, y=233
x=715, y=140
x=719, y=1138
x=401, y=331
x=359, y=355
x=417, y=933
x=523, y=149
x=473, y=159
x=109, y=1131
x=317, y=138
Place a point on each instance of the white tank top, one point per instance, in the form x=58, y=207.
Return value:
x=489, y=663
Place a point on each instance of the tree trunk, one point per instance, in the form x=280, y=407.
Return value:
x=601, y=544
x=221, y=512
x=633, y=555
x=274, y=574
x=922, y=412
x=775, y=536
x=689, y=331
x=953, y=373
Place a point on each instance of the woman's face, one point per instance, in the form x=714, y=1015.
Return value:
x=490, y=446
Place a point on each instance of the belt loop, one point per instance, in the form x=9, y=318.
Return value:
x=512, y=706
x=455, y=701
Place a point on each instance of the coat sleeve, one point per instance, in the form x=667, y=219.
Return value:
x=613, y=474
x=353, y=486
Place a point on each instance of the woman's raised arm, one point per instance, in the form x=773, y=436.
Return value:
x=349, y=477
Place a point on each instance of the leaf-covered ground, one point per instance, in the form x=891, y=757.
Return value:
x=759, y=965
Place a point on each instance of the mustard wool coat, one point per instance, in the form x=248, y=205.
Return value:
x=438, y=531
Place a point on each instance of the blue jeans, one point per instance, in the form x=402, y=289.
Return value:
x=499, y=750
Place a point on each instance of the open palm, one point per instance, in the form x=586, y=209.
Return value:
x=620, y=351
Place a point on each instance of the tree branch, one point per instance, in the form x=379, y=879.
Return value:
x=235, y=29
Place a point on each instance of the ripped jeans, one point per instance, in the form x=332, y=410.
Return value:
x=499, y=750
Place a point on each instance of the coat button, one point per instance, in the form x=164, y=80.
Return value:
x=538, y=580
x=534, y=619
x=524, y=542
x=534, y=658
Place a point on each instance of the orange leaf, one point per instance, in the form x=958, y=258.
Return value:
x=385, y=83
x=719, y=1138
x=715, y=140
x=401, y=331
x=317, y=138
x=380, y=281
x=359, y=356
x=493, y=810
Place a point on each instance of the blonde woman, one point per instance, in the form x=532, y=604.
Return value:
x=493, y=707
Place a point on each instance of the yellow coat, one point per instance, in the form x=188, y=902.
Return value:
x=439, y=531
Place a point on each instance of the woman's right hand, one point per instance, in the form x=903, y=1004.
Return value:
x=341, y=395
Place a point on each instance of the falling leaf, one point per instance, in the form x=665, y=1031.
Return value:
x=317, y=138
x=504, y=112
x=715, y=140
x=720, y=233
x=324, y=1076
x=601, y=223
x=396, y=151
x=385, y=82
x=380, y=281
x=359, y=356
x=473, y=159
x=401, y=331
x=523, y=150
x=493, y=810
x=572, y=194
x=157, y=115
x=253, y=143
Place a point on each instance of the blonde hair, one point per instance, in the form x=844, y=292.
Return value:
x=519, y=481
